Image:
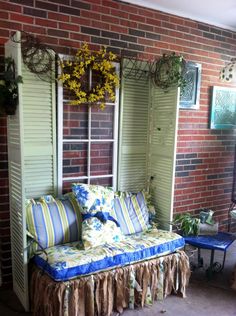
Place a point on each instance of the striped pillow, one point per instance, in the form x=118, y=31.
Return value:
x=131, y=212
x=53, y=222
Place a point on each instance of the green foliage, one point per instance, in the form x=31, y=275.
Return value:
x=188, y=224
x=169, y=71
x=9, y=87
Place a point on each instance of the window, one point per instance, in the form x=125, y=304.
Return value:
x=87, y=142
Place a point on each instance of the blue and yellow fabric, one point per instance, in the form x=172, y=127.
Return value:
x=68, y=261
x=93, y=198
x=98, y=226
x=131, y=212
x=53, y=221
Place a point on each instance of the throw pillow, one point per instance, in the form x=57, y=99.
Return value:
x=131, y=212
x=98, y=226
x=53, y=221
x=93, y=198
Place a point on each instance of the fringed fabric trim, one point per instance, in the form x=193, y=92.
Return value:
x=111, y=291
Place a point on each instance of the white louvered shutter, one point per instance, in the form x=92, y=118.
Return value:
x=163, y=136
x=32, y=159
x=133, y=141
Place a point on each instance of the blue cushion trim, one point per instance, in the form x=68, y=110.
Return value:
x=109, y=262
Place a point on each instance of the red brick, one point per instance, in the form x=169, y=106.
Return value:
x=129, y=23
x=118, y=29
x=102, y=9
x=69, y=43
x=129, y=8
x=4, y=15
x=5, y=6
x=110, y=19
x=46, y=23
x=34, y=29
x=119, y=13
x=90, y=15
x=10, y=25
x=137, y=18
x=69, y=27
x=80, y=21
x=112, y=4
x=58, y=17
x=21, y=18
x=79, y=37
x=100, y=25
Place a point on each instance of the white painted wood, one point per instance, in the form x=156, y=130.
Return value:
x=133, y=134
x=90, y=140
x=32, y=159
x=163, y=137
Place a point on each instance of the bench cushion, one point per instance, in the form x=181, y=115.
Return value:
x=68, y=261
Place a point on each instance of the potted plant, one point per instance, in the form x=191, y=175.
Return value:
x=186, y=224
x=9, y=87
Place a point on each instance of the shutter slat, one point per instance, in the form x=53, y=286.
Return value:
x=132, y=168
x=32, y=159
x=162, y=151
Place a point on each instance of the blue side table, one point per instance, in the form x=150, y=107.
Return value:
x=220, y=241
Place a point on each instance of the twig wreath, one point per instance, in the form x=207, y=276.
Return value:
x=75, y=76
x=169, y=71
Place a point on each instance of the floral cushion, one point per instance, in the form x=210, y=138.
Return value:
x=95, y=232
x=69, y=261
x=93, y=198
x=98, y=227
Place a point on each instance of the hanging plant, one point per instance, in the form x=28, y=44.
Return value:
x=9, y=88
x=169, y=71
x=76, y=76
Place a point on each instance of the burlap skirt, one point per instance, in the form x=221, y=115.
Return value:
x=111, y=291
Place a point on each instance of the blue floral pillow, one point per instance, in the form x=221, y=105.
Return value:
x=98, y=226
x=93, y=198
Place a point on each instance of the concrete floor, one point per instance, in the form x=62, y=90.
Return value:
x=204, y=298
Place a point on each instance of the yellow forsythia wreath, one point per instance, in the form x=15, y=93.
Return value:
x=74, y=71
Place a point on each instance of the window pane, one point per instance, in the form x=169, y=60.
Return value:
x=101, y=159
x=75, y=160
x=75, y=121
x=102, y=122
x=102, y=181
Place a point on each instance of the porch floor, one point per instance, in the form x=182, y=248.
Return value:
x=210, y=298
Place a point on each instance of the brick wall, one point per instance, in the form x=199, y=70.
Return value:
x=204, y=160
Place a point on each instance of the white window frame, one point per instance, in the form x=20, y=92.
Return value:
x=89, y=140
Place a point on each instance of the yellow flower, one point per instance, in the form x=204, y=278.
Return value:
x=74, y=70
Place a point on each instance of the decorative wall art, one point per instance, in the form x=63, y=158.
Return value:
x=223, y=108
x=190, y=93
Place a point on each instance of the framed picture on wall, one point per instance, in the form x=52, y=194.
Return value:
x=223, y=108
x=190, y=94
